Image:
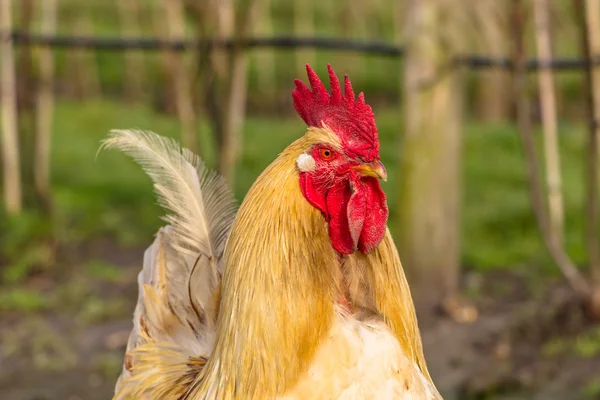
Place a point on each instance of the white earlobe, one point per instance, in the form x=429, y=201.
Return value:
x=305, y=162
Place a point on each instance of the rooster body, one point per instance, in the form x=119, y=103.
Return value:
x=274, y=302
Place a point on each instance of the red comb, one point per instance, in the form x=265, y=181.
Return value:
x=351, y=119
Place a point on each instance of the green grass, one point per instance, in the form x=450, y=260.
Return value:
x=498, y=225
x=24, y=300
x=110, y=195
x=585, y=345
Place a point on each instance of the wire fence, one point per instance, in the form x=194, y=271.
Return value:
x=379, y=48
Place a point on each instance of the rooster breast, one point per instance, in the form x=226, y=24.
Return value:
x=361, y=360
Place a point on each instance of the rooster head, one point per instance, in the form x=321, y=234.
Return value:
x=339, y=173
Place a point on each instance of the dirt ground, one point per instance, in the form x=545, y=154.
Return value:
x=524, y=344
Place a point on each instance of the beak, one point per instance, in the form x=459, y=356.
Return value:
x=376, y=169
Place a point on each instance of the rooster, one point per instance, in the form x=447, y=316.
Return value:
x=299, y=294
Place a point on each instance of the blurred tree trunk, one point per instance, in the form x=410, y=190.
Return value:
x=203, y=15
x=399, y=10
x=493, y=85
x=265, y=57
x=45, y=109
x=536, y=188
x=549, y=124
x=180, y=76
x=352, y=16
x=593, y=25
x=25, y=79
x=135, y=71
x=235, y=98
x=166, y=99
x=86, y=76
x=26, y=99
x=398, y=17
x=224, y=13
x=430, y=184
x=304, y=25
x=220, y=23
x=196, y=13
x=214, y=19
x=590, y=23
x=10, y=142
x=225, y=17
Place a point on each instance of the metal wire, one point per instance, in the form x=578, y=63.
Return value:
x=380, y=48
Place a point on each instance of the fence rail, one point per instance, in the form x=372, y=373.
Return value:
x=473, y=61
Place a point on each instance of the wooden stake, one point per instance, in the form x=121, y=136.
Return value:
x=493, y=85
x=589, y=18
x=45, y=108
x=399, y=12
x=304, y=25
x=265, y=58
x=224, y=14
x=235, y=101
x=180, y=76
x=536, y=188
x=352, y=16
x=10, y=144
x=25, y=76
x=135, y=70
x=548, y=105
x=86, y=70
x=430, y=184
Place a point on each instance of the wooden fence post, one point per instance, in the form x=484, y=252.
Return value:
x=304, y=25
x=593, y=238
x=45, y=108
x=25, y=76
x=265, y=57
x=86, y=74
x=135, y=71
x=548, y=105
x=179, y=73
x=535, y=186
x=493, y=85
x=590, y=35
x=235, y=99
x=430, y=184
x=10, y=143
x=352, y=16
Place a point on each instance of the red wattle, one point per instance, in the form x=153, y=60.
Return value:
x=315, y=197
x=338, y=198
x=355, y=209
x=375, y=223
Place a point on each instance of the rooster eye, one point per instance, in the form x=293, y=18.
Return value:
x=325, y=154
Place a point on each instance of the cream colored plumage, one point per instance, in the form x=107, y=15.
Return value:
x=259, y=318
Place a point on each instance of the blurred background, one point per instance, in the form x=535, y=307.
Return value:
x=484, y=111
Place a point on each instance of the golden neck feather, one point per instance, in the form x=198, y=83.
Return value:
x=280, y=267
x=281, y=281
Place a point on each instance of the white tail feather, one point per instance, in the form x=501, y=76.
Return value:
x=200, y=203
